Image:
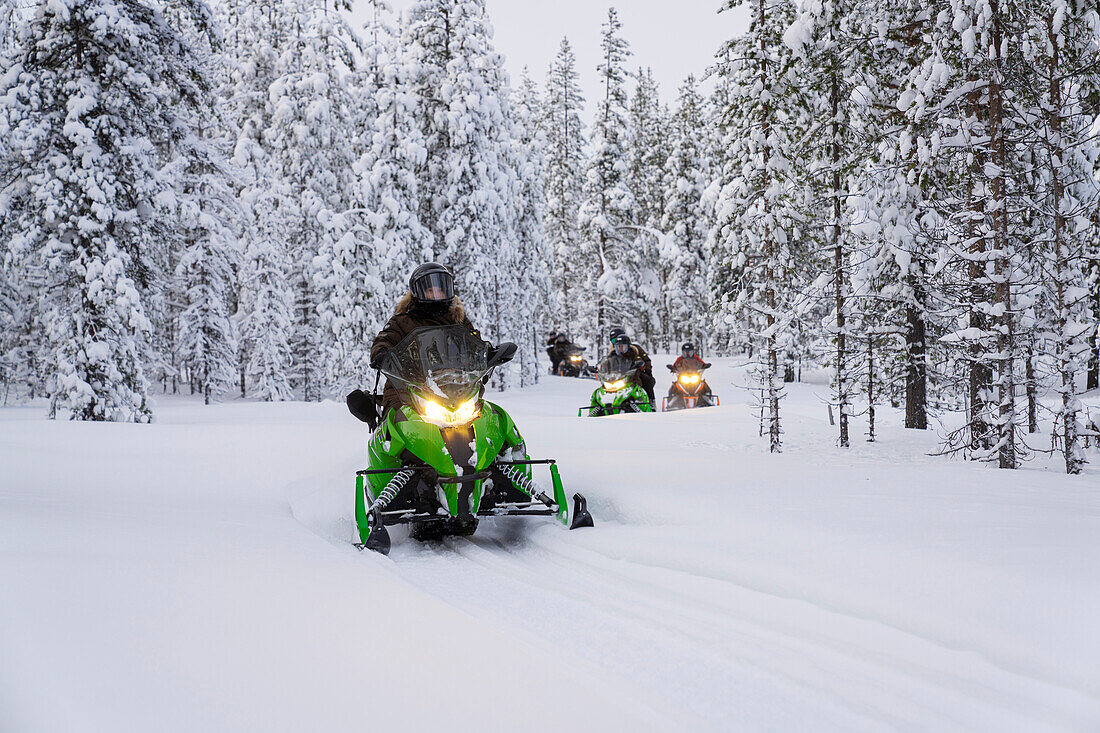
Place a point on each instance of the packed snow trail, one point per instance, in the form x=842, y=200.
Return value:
x=722, y=588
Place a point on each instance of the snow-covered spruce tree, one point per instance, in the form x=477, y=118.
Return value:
x=209, y=219
x=1063, y=47
x=647, y=150
x=757, y=233
x=895, y=227
x=310, y=138
x=87, y=133
x=723, y=275
x=254, y=32
x=828, y=40
x=532, y=252
x=469, y=202
x=266, y=302
x=964, y=86
x=565, y=165
x=684, y=220
x=608, y=202
x=346, y=270
x=208, y=226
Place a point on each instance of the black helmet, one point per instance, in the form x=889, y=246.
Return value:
x=688, y=349
x=621, y=340
x=432, y=284
x=615, y=332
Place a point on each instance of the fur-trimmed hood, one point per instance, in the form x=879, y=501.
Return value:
x=456, y=313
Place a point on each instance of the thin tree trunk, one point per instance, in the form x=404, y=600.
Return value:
x=1006, y=443
x=916, y=364
x=870, y=389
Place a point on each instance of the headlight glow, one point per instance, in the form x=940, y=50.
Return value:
x=437, y=414
x=689, y=379
x=614, y=386
x=574, y=358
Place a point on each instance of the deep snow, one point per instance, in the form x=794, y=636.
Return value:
x=197, y=574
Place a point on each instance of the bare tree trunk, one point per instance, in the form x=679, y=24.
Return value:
x=838, y=267
x=1071, y=449
x=870, y=389
x=916, y=366
x=1006, y=443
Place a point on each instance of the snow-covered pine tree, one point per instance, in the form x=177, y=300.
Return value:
x=209, y=220
x=608, y=201
x=87, y=130
x=208, y=225
x=311, y=147
x=962, y=85
x=532, y=250
x=756, y=228
x=470, y=197
x=255, y=30
x=266, y=300
x=828, y=40
x=572, y=309
x=647, y=150
x=685, y=220
x=354, y=267
x=1062, y=51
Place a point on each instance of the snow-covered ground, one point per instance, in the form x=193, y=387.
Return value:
x=198, y=575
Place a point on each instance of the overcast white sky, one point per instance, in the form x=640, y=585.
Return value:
x=673, y=37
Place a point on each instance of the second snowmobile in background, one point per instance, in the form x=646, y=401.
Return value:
x=619, y=390
x=689, y=389
x=450, y=457
x=575, y=365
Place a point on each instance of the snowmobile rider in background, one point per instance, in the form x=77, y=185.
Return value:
x=688, y=361
x=623, y=347
x=558, y=348
x=430, y=301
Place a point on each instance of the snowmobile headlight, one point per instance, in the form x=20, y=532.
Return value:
x=437, y=414
x=574, y=358
x=689, y=379
x=614, y=386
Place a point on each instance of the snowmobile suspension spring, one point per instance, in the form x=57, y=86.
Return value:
x=390, y=491
x=525, y=484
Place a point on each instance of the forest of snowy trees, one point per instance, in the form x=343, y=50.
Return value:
x=227, y=197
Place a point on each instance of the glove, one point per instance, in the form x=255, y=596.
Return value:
x=376, y=359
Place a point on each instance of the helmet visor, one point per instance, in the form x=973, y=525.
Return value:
x=621, y=347
x=434, y=287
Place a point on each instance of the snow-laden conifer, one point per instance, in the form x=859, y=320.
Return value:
x=608, y=201
x=686, y=300
x=565, y=170
x=87, y=133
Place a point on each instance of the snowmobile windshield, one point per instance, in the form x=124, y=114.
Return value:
x=615, y=368
x=693, y=367
x=441, y=363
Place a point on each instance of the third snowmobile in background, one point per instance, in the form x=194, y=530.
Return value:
x=619, y=390
x=451, y=456
x=689, y=389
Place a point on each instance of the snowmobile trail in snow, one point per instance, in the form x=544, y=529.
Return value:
x=722, y=588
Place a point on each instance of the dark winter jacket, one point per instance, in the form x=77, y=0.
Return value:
x=636, y=352
x=406, y=318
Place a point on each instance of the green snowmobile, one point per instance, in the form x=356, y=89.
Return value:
x=451, y=457
x=619, y=391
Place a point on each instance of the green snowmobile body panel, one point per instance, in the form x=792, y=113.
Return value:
x=405, y=438
x=613, y=403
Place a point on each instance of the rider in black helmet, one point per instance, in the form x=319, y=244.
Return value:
x=431, y=301
x=624, y=347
